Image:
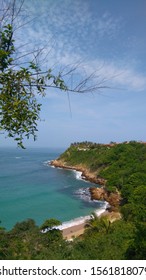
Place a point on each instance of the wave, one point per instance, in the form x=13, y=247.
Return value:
x=101, y=210
x=79, y=220
x=18, y=157
x=47, y=163
x=83, y=193
x=78, y=174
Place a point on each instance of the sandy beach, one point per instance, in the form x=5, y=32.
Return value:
x=77, y=230
x=73, y=231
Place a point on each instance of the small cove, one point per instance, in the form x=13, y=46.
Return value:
x=30, y=188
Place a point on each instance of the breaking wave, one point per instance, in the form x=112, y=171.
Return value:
x=79, y=220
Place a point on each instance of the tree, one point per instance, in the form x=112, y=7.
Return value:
x=50, y=223
x=53, y=233
x=137, y=246
x=24, y=226
x=20, y=86
x=99, y=224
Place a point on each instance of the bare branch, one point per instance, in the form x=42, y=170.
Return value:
x=22, y=79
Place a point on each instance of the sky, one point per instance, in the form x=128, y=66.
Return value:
x=103, y=36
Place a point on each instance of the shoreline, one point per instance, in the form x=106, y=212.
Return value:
x=85, y=173
x=76, y=227
x=101, y=193
x=74, y=231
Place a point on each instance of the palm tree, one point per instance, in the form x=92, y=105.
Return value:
x=99, y=224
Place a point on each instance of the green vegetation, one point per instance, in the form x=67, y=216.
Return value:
x=23, y=78
x=25, y=241
x=124, y=167
x=19, y=86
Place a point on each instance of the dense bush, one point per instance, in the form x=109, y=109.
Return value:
x=124, y=168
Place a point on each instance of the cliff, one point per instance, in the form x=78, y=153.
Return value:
x=96, y=193
x=102, y=193
x=86, y=173
x=118, y=168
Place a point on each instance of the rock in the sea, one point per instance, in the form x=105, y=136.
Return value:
x=113, y=198
x=103, y=194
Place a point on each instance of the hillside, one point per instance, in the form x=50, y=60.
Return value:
x=119, y=167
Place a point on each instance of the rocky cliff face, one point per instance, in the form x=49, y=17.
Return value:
x=86, y=174
x=96, y=193
x=102, y=194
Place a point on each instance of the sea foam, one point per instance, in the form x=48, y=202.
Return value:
x=79, y=220
x=78, y=174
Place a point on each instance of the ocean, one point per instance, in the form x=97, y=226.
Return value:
x=30, y=188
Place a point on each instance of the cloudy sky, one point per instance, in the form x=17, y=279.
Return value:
x=103, y=36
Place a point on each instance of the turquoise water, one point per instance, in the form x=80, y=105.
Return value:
x=30, y=188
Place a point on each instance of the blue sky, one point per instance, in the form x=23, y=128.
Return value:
x=107, y=36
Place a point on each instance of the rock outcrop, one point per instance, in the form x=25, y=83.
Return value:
x=113, y=198
x=86, y=174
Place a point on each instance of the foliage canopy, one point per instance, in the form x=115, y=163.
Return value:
x=123, y=239
x=19, y=108
x=20, y=86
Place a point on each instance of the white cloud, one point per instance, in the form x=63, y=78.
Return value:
x=116, y=75
x=64, y=28
x=108, y=26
